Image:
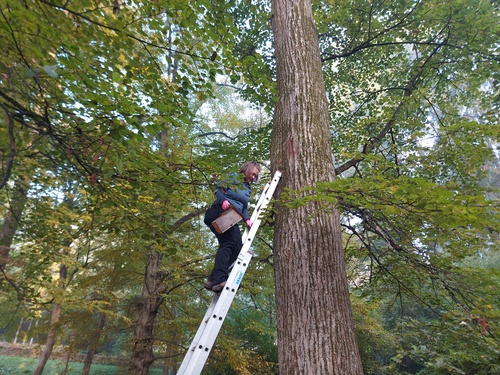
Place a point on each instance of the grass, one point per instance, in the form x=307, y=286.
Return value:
x=19, y=365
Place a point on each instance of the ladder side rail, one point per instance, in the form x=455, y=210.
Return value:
x=256, y=212
x=209, y=329
x=199, y=333
x=214, y=324
x=264, y=200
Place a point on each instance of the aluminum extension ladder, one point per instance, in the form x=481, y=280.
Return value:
x=204, y=339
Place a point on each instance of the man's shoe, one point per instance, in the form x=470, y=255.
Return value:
x=218, y=288
x=209, y=285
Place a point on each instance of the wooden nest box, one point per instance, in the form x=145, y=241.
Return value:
x=226, y=220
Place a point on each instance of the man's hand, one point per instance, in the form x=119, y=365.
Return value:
x=226, y=205
x=249, y=223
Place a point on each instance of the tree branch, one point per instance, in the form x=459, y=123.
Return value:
x=12, y=145
x=216, y=133
x=142, y=41
x=190, y=216
x=376, y=141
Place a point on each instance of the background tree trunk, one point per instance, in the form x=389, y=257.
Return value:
x=151, y=300
x=51, y=340
x=54, y=324
x=12, y=218
x=93, y=344
x=19, y=329
x=314, y=320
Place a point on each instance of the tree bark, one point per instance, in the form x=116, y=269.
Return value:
x=314, y=319
x=51, y=340
x=54, y=324
x=19, y=329
x=12, y=219
x=151, y=300
x=171, y=360
x=93, y=344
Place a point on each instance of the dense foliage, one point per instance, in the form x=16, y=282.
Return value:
x=113, y=124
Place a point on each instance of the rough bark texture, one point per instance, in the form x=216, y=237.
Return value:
x=151, y=300
x=314, y=320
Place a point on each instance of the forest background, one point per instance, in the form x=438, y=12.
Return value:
x=117, y=117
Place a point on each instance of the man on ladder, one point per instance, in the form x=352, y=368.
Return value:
x=235, y=197
x=204, y=339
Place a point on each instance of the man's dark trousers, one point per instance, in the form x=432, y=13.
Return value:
x=230, y=244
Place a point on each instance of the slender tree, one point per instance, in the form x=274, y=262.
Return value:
x=314, y=319
x=12, y=217
x=93, y=344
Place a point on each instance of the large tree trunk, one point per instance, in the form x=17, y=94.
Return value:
x=151, y=300
x=314, y=319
